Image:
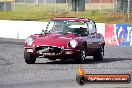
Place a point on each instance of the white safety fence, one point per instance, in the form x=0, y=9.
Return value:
x=23, y=29
x=20, y=29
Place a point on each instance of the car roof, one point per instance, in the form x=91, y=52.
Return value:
x=71, y=18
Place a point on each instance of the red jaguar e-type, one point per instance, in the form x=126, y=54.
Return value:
x=65, y=38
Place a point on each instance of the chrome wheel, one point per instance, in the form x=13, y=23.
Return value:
x=81, y=57
x=83, y=54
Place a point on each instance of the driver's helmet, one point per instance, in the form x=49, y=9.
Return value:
x=57, y=27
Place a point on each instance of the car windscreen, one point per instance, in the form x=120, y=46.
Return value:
x=54, y=25
x=67, y=27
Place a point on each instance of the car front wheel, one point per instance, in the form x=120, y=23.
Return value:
x=81, y=57
x=98, y=56
x=29, y=59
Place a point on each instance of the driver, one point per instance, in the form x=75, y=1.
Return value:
x=57, y=28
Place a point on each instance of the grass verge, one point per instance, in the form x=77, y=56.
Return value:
x=44, y=16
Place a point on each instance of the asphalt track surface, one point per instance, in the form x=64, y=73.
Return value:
x=15, y=73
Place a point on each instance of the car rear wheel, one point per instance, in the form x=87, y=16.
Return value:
x=81, y=57
x=98, y=55
x=29, y=59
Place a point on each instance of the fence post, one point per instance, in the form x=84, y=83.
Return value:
x=44, y=5
x=66, y=5
x=34, y=3
x=4, y=6
x=24, y=6
x=113, y=1
x=128, y=9
x=14, y=6
x=100, y=6
x=55, y=5
x=115, y=5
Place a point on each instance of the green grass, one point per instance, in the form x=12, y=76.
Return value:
x=44, y=16
x=40, y=12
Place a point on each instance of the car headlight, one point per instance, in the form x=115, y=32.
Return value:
x=29, y=41
x=73, y=43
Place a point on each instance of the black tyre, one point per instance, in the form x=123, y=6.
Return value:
x=98, y=56
x=81, y=57
x=29, y=59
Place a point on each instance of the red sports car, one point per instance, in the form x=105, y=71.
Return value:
x=65, y=38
